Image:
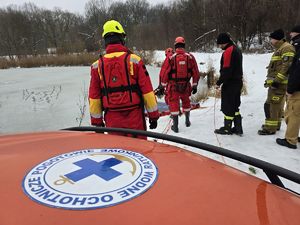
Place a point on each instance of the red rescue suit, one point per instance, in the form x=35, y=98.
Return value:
x=121, y=87
x=175, y=75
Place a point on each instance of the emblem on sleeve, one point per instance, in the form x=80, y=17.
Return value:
x=92, y=178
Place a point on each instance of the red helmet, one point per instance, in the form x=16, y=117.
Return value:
x=169, y=51
x=179, y=40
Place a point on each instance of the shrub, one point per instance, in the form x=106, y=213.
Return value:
x=82, y=59
x=147, y=56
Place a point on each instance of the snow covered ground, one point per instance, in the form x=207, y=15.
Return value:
x=40, y=99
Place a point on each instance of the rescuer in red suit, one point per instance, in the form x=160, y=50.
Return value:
x=120, y=86
x=160, y=90
x=175, y=74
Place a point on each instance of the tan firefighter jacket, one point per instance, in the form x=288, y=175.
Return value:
x=280, y=63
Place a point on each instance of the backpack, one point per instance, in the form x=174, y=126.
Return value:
x=181, y=71
x=119, y=90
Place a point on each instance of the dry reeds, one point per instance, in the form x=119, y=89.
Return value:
x=84, y=59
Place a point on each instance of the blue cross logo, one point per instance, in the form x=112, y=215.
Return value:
x=90, y=167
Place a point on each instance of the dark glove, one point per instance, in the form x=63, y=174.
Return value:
x=275, y=85
x=98, y=122
x=159, y=91
x=153, y=124
x=100, y=125
x=194, y=89
x=268, y=83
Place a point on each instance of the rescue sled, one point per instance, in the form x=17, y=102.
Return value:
x=163, y=108
x=82, y=175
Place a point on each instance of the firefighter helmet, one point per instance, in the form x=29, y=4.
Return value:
x=112, y=26
x=179, y=40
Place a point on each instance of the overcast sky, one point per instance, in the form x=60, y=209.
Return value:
x=70, y=5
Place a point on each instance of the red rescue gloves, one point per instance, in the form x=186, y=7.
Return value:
x=194, y=89
x=153, y=124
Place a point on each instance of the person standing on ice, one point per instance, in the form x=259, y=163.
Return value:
x=175, y=74
x=292, y=113
x=276, y=82
x=160, y=90
x=120, y=85
x=169, y=52
x=231, y=83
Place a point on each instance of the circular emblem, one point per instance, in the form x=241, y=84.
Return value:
x=91, y=178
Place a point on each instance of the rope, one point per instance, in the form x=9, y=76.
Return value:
x=219, y=143
x=167, y=128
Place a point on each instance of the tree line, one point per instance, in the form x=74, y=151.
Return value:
x=30, y=30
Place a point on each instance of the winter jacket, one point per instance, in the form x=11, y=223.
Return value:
x=294, y=70
x=120, y=82
x=231, y=68
x=169, y=72
x=280, y=62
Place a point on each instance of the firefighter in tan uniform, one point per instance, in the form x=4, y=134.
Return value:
x=276, y=82
x=292, y=113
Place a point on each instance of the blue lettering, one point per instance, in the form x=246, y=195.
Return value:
x=148, y=174
x=92, y=200
x=41, y=168
x=53, y=199
x=46, y=194
x=140, y=184
x=34, y=181
x=106, y=198
x=123, y=193
x=133, y=189
x=121, y=151
x=40, y=187
x=146, y=179
x=39, y=192
x=36, y=173
x=80, y=201
x=65, y=200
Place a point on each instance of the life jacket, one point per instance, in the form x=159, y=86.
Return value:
x=119, y=89
x=181, y=71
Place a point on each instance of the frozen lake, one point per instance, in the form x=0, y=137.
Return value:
x=52, y=98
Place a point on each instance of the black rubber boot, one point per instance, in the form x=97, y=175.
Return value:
x=284, y=142
x=174, y=127
x=226, y=129
x=237, y=129
x=187, y=119
x=264, y=131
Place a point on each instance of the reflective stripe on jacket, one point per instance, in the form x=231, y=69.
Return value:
x=280, y=62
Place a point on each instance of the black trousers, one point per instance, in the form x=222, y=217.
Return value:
x=231, y=98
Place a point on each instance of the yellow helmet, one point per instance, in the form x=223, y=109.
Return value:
x=112, y=26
